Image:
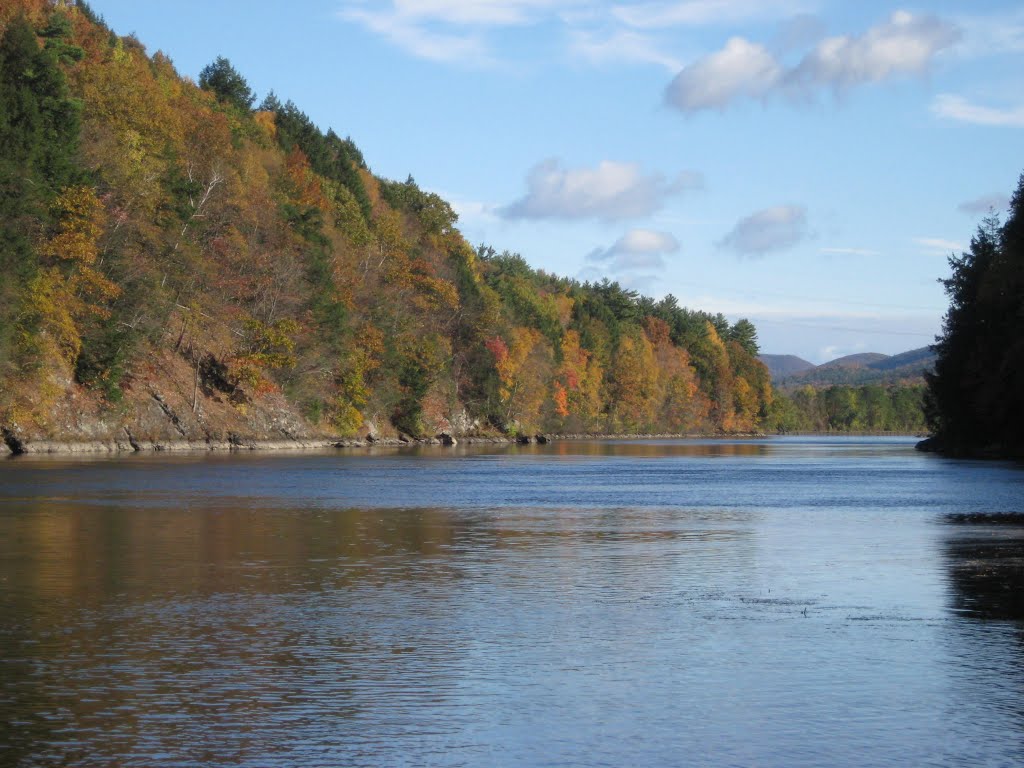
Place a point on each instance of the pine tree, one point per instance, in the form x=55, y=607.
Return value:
x=975, y=398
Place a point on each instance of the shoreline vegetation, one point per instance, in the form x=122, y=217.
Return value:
x=11, y=447
x=975, y=397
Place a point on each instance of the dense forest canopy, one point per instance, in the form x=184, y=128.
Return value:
x=173, y=243
x=975, y=402
x=896, y=408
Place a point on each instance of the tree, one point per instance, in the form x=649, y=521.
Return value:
x=39, y=127
x=975, y=397
x=745, y=334
x=227, y=84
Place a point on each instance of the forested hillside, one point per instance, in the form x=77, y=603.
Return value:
x=178, y=262
x=906, y=368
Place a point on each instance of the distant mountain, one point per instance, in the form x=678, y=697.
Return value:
x=854, y=370
x=780, y=366
x=915, y=358
x=862, y=360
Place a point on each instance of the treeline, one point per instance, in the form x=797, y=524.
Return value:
x=975, y=399
x=158, y=235
x=869, y=408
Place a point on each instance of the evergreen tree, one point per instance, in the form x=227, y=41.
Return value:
x=975, y=400
x=227, y=83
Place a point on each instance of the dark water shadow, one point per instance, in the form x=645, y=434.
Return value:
x=984, y=556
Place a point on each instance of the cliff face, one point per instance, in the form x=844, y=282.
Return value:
x=177, y=266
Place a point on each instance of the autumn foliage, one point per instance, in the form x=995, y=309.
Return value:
x=148, y=219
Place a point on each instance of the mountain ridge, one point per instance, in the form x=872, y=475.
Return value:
x=857, y=369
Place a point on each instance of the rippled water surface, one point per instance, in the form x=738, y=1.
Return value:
x=781, y=602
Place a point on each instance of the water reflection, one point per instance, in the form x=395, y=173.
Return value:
x=985, y=559
x=775, y=603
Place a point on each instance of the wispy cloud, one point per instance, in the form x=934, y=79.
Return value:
x=982, y=205
x=479, y=13
x=419, y=41
x=771, y=229
x=938, y=245
x=610, y=191
x=903, y=44
x=849, y=252
x=692, y=13
x=991, y=34
x=953, y=107
x=448, y=30
x=622, y=46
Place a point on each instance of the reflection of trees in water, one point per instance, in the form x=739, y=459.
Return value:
x=655, y=448
x=985, y=561
x=124, y=628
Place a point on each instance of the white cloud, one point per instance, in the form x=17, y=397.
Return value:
x=622, y=46
x=447, y=30
x=849, y=252
x=658, y=15
x=954, y=107
x=610, y=191
x=418, y=41
x=982, y=205
x=938, y=245
x=771, y=229
x=741, y=68
x=904, y=44
x=481, y=13
x=638, y=249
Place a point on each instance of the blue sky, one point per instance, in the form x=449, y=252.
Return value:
x=808, y=164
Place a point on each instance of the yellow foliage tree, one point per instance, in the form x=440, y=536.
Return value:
x=634, y=385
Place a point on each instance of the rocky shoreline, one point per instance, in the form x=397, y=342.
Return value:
x=14, y=445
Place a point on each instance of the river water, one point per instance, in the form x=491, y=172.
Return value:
x=782, y=602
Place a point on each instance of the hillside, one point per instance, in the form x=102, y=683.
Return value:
x=860, y=360
x=863, y=369
x=180, y=264
x=781, y=366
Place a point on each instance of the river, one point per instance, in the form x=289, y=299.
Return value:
x=780, y=602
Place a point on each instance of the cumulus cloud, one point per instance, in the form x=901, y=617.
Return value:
x=958, y=108
x=771, y=229
x=610, y=191
x=904, y=44
x=741, y=68
x=982, y=205
x=638, y=249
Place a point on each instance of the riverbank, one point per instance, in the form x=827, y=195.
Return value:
x=12, y=445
